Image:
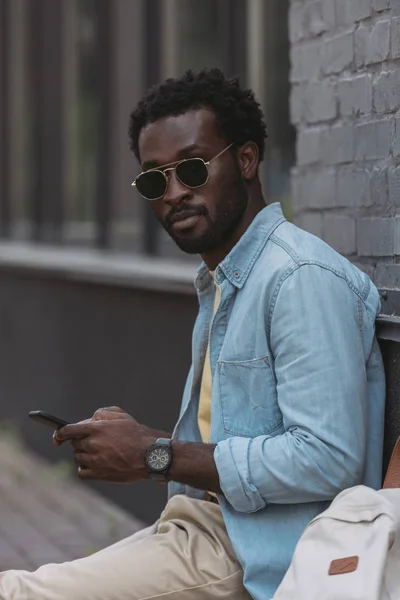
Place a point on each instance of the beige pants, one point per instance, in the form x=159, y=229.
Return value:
x=186, y=555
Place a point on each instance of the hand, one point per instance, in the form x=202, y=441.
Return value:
x=110, y=446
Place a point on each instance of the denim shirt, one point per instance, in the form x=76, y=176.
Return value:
x=298, y=389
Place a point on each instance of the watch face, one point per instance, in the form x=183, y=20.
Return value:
x=158, y=459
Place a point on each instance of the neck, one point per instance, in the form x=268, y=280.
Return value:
x=217, y=255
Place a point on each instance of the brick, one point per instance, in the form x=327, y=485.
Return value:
x=373, y=140
x=396, y=249
x=305, y=62
x=337, y=144
x=355, y=96
x=319, y=16
x=381, y=5
x=296, y=101
x=379, y=187
x=361, y=43
x=387, y=276
x=296, y=64
x=308, y=146
x=320, y=102
x=311, y=222
x=379, y=43
x=394, y=186
x=329, y=13
x=372, y=45
x=375, y=236
x=311, y=61
x=318, y=189
x=395, y=46
x=340, y=233
x=396, y=142
x=296, y=181
x=338, y=53
x=366, y=268
x=353, y=188
x=387, y=92
x=351, y=11
x=296, y=22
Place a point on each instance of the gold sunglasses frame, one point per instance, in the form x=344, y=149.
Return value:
x=172, y=167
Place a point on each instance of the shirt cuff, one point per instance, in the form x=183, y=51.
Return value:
x=233, y=465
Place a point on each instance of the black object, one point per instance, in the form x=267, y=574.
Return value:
x=46, y=419
x=158, y=459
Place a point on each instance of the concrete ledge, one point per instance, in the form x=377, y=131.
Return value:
x=48, y=515
x=388, y=328
x=98, y=267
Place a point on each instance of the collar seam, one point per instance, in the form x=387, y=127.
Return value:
x=230, y=270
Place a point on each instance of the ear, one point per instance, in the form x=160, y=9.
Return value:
x=248, y=157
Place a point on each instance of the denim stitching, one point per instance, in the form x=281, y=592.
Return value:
x=304, y=263
x=230, y=269
x=225, y=427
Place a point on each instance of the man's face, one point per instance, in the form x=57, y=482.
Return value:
x=199, y=220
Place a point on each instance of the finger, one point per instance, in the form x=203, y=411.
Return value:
x=76, y=430
x=109, y=412
x=56, y=442
x=82, y=460
x=80, y=445
x=86, y=473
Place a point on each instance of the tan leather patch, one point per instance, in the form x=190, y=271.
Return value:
x=343, y=565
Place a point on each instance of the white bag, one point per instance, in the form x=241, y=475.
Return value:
x=352, y=550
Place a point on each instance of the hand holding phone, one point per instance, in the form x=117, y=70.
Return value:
x=46, y=419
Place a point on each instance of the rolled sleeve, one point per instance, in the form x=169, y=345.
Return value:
x=233, y=464
x=320, y=367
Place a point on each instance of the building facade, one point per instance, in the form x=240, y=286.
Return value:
x=345, y=104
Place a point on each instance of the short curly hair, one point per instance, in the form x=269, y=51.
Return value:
x=238, y=114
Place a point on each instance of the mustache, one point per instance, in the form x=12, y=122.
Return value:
x=183, y=212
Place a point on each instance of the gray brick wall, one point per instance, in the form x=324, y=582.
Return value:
x=345, y=104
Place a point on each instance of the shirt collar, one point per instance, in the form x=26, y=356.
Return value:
x=238, y=264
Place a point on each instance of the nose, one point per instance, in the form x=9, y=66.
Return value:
x=176, y=191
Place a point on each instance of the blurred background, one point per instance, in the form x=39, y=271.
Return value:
x=96, y=303
x=71, y=72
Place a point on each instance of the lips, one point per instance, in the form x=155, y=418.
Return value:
x=185, y=219
x=185, y=222
x=183, y=216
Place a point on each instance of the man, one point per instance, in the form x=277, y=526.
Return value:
x=283, y=406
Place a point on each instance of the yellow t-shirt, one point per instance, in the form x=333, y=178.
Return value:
x=204, y=413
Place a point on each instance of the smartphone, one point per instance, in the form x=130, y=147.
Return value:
x=46, y=419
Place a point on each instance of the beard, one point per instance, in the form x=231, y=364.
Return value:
x=230, y=207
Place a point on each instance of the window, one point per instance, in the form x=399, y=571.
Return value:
x=191, y=36
x=71, y=72
x=84, y=120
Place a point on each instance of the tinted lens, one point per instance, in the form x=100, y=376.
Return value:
x=151, y=185
x=192, y=172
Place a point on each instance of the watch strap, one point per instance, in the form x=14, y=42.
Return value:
x=163, y=442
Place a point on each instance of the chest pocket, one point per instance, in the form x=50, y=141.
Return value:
x=248, y=397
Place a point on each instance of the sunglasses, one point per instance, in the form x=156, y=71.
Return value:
x=191, y=172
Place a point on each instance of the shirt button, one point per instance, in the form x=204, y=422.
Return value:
x=236, y=275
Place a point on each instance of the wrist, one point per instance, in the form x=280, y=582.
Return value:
x=158, y=459
x=145, y=446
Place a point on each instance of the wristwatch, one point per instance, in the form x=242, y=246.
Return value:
x=158, y=459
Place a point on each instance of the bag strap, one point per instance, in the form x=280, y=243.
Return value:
x=392, y=479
